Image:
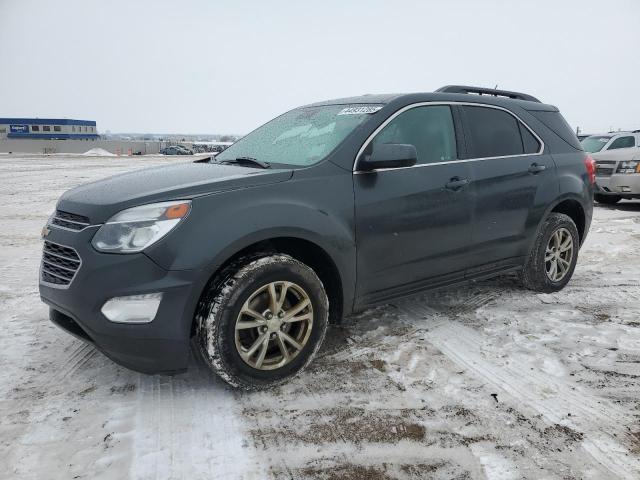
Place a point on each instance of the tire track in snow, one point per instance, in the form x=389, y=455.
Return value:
x=80, y=354
x=596, y=417
x=189, y=423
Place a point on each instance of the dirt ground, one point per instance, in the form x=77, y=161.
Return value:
x=485, y=381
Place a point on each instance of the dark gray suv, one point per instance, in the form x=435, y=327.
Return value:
x=325, y=210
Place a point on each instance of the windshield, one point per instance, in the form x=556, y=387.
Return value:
x=301, y=137
x=594, y=143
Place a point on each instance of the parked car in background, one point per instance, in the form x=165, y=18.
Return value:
x=176, y=150
x=611, y=141
x=617, y=175
x=325, y=210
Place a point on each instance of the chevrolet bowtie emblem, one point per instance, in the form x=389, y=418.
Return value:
x=45, y=231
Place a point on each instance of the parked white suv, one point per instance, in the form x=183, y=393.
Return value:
x=611, y=141
x=617, y=174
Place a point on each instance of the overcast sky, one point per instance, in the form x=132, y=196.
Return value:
x=225, y=67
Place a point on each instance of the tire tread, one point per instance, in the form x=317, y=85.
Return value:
x=534, y=276
x=209, y=338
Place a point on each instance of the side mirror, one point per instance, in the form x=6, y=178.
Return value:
x=389, y=155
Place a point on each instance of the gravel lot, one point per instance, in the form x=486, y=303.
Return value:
x=485, y=381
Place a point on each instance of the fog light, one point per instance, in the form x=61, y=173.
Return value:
x=132, y=309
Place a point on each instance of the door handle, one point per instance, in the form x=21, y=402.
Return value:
x=456, y=183
x=536, y=168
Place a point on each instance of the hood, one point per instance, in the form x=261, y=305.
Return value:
x=102, y=199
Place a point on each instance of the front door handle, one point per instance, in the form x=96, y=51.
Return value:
x=456, y=183
x=536, y=168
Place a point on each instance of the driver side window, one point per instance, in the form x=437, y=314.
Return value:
x=430, y=129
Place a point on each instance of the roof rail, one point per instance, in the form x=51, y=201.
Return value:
x=487, y=91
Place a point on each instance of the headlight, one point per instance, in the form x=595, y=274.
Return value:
x=136, y=228
x=631, y=166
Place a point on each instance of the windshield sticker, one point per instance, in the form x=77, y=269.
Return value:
x=361, y=110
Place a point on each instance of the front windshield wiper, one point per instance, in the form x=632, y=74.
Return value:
x=246, y=160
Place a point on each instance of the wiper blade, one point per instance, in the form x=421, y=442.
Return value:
x=245, y=160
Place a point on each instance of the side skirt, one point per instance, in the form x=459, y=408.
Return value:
x=472, y=275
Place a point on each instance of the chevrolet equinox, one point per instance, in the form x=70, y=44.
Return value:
x=325, y=210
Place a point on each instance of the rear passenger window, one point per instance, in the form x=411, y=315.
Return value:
x=622, y=142
x=430, y=129
x=493, y=132
x=529, y=142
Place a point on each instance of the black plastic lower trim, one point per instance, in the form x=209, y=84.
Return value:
x=69, y=325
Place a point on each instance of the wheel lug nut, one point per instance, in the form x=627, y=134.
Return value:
x=268, y=315
x=281, y=314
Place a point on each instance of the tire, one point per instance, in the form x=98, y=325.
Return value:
x=538, y=273
x=607, y=199
x=245, y=287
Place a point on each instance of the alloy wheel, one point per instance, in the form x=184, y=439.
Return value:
x=559, y=254
x=273, y=325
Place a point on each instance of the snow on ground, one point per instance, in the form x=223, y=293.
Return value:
x=483, y=381
x=98, y=152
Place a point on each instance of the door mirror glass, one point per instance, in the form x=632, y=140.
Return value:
x=389, y=155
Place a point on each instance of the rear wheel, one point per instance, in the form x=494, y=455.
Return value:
x=263, y=321
x=607, y=199
x=553, y=257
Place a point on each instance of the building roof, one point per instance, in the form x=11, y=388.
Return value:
x=53, y=136
x=47, y=121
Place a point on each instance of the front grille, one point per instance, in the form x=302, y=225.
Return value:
x=59, y=264
x=605, y=168
x=70, y=221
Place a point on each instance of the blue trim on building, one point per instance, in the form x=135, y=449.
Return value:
x=48, y=121
x=55, y=136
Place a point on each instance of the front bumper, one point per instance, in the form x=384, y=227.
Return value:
x=161, y=346
x=623, y=184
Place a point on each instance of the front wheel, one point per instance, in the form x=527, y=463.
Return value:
x=263, y=321
x=607, y=199
x=553, y=257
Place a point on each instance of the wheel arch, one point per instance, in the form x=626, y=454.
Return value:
x=569, y=205
x=573, y=209
x=305, y=250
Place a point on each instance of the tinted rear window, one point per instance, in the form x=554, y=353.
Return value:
x=493, y=132
x=558, y=125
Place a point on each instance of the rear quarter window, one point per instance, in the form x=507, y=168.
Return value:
x=530, y=143
x=556, y=123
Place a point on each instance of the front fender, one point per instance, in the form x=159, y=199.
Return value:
x=221, y=225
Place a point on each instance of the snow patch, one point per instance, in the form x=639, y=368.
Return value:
x=98, y=152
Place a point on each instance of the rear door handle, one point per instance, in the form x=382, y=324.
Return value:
x=456, y=183
x=536, y=168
